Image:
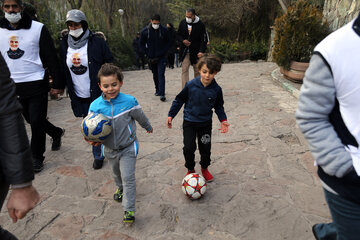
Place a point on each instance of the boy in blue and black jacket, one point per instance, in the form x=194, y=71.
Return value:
x=121, y=147
x=200, y=96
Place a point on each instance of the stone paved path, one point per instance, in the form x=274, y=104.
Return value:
x=265, y=185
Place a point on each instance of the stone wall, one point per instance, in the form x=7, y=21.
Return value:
x=340, y=12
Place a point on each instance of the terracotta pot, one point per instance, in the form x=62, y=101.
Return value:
x=296, y=72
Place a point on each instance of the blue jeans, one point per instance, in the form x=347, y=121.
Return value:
x=83, y=109
x=158, y=71
x=97, y=153
x=346, y=220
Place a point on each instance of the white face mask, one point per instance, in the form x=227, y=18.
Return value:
x=188, y=20
x=13, y=17
x=76, y=33
x=155, y=26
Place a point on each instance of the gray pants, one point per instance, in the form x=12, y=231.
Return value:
x=123, y=168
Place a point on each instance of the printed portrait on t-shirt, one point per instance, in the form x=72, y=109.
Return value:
x=77, y=68
x=14, y=51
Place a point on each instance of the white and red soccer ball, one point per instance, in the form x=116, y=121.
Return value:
x=194, y=186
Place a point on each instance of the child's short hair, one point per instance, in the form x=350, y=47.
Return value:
x=212, y=62
x=108, y=69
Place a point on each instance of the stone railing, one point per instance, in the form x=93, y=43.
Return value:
x=340, y=12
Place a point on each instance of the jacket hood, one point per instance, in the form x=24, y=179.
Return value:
x=197, y=19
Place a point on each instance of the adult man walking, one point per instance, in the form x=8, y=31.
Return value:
x=15, y=158
x=155, y=41
x=29, y=52
x=193, y=38
x=328, y=115
x=139, y=54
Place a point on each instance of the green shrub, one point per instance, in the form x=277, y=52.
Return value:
x=235, y=51
x=121, y=48
x=297, y=32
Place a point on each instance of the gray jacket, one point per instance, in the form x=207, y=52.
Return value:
x=316, y=102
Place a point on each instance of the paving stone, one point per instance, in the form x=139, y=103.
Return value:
x=265, y=184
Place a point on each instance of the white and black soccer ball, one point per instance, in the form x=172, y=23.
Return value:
x=194, y=185
x=96, y=127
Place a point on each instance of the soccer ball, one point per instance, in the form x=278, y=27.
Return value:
x=194, y=185
x=96, y=127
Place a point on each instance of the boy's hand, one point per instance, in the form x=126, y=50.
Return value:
x=168, y=122
x=150, y=131
x=92, y=143
x=224, y=127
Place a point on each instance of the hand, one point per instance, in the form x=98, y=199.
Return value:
x=186, y=42
x=56, y=92
x=169, y=122
x=200, y=54
x=150, y=131
x=92, y=142
x=21, y=201
x=224, y=127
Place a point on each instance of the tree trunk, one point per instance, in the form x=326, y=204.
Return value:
x=283, y=5
x=75, y=4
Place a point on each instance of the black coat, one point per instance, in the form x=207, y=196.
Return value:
x=136, y=46
x=197, y=38
x=155, y=43
x=98, y=54
x=173, y=39
x=15, y=154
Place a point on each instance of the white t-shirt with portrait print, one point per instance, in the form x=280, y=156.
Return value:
x=77, y=62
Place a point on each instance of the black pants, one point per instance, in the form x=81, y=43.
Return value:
x=35, y=112
x=171, y=60
x=140, y=58
x=202, y=131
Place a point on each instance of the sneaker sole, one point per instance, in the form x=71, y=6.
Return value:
x=129, y=221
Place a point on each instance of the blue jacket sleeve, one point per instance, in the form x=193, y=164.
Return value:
x=219, y=107
x=180, y=99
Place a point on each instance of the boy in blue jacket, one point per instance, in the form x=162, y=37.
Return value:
x=200, y=96
x=121, y=147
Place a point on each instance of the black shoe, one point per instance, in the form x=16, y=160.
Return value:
x=56, y=142
x=129, y=217
x=6, y=235
x=97, y=164
x=38, y=165
x=313, y=231
x=118, y=195
x=156, y=94
x=163, y=98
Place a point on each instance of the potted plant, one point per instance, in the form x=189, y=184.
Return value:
x=297, y=32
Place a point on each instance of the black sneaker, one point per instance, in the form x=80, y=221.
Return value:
x=314, y=232
x=118, y=195
x=156, y=94
x=6, y=235
x=38, y=165
x=56, y=142
x=97, y=164
x=163, y=98
x=129, y=217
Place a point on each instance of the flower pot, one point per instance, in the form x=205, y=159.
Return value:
x=296, y=72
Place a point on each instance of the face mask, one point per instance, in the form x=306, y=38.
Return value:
x=13, y=17
x=76, y=33
x=189, y=20
x=155, y=26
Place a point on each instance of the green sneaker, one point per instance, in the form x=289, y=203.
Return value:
x=129, y=217
x=118, y=195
